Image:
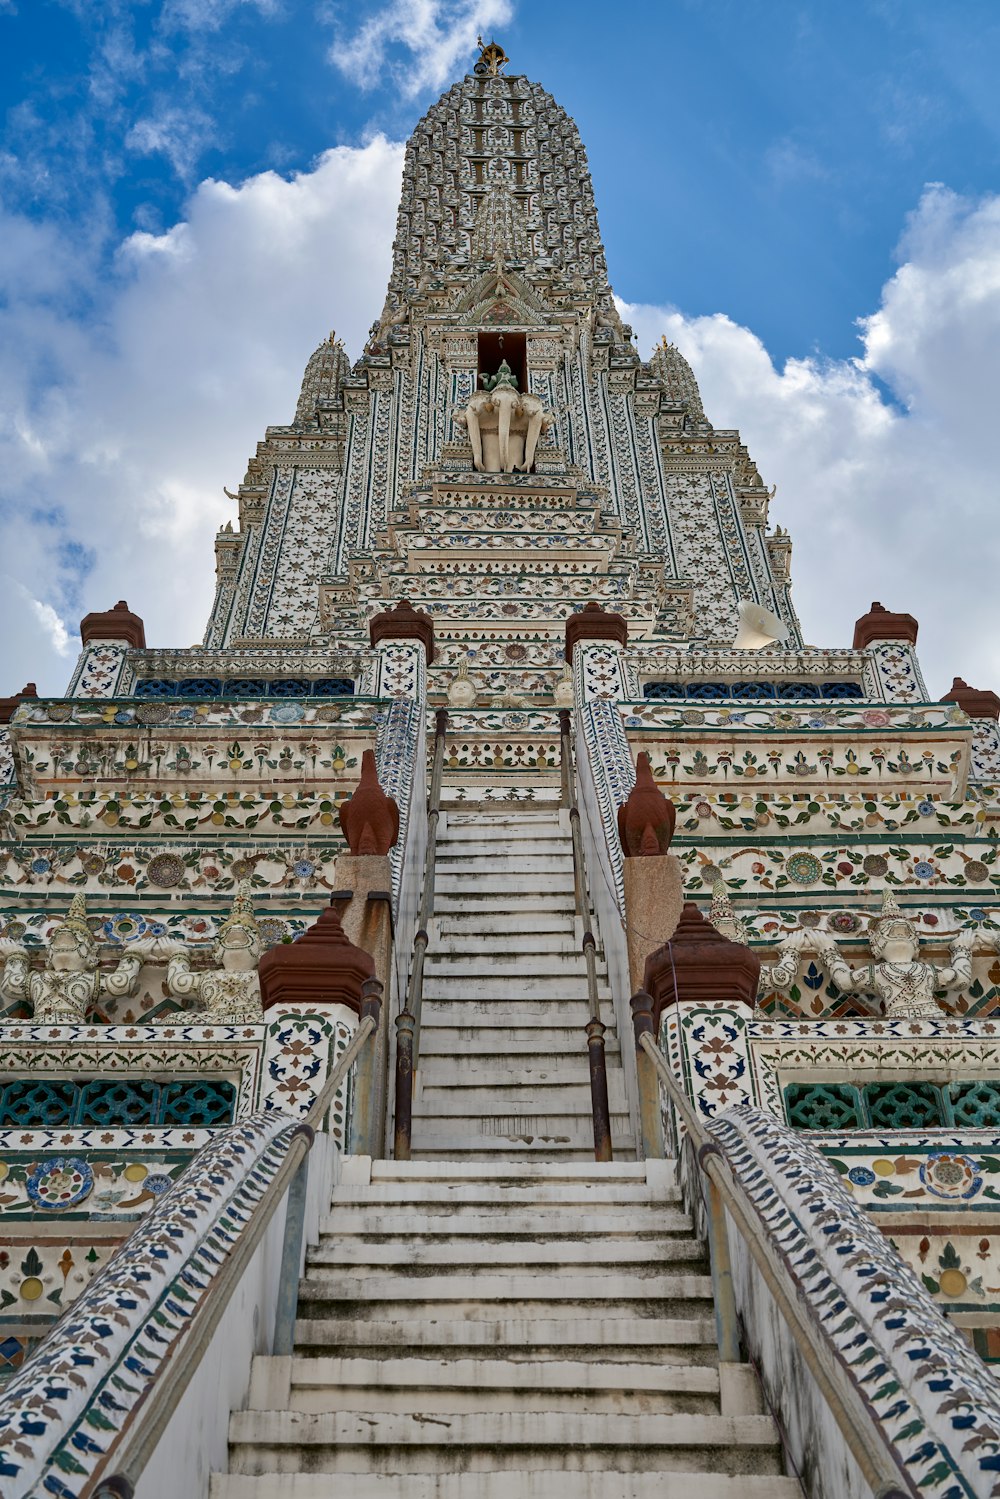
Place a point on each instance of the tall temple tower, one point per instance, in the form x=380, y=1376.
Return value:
x=504, y=864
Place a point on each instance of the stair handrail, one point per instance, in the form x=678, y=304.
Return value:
x=409, y=1017
x=595, y=1027
x=724, y=1194
x=142, y=1425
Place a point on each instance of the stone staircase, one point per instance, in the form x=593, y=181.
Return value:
x=479, y=1330
x=502, y=1070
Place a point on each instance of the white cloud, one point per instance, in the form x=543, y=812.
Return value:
x=891, y=497
x=435, y=35
x=118, y=430
x=181, y=135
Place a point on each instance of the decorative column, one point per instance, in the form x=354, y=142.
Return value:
x=403, y=638
x=654, y=894
x=698, y=966
x=107, y=639
x=8, y=707
x=363, y=889
x=322, y=971
x=984, y=709
x=889, y=640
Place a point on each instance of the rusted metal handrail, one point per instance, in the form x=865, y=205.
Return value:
x=408, y=1019
x=595, y=1026
x=724, y=1195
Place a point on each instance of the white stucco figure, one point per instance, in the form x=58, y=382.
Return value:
x=504, y=424
x=67, y=988
x=897, y=975
x=230, y=993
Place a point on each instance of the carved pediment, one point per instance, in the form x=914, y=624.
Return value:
x=502, y=298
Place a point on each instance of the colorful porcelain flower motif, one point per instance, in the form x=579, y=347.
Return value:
x=59, y=1183
x=803, y=869
x=845, y=922
x=945, y=1174
x=165, y=870
x=287, y=713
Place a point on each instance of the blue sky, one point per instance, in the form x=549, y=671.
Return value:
x=176, y=235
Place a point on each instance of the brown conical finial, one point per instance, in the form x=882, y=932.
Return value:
x=369, y=820
x=323, y=967
x=403, y=623
x=594, y=623
x=698, y=965
x=118, y=623
x=9, y=704
x=971, y=700
x=881, y=624
x=646, y=820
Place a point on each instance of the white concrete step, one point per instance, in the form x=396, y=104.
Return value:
x=477, y=1108
x=459, y=1385
x=472, y=842
x=477, y=827
x=524, y=1074
x=523, y=924
x=541, y=1046
x=464, y=898
x=524, y=867
x=472, y=886
x=573, y=1142
x=496, y=961
x=401, y=1252
x=348, y=1441
x=479, y=801
x=654, y=1175
x=591, y=1336
x=509, y=1192
x=515, y=986
x=519, y=946
x=448, y=1224
x=470, y=1019
x=508, y=1483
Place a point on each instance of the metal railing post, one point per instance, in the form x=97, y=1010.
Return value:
x=405, y=1029
x=594, y=1027
x=650, y=1120
x=368, y=1100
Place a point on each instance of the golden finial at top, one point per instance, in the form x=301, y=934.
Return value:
x=492, y=57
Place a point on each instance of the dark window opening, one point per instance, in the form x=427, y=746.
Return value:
x=494, y=348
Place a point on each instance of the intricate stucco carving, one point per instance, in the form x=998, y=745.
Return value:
x=898, y=977
x=504, y=424
x=230, y=993
x=70, y=984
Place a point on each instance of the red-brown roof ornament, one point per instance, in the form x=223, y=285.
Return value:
x=882, y=624
x=118, y=623
x=594, y=623
x=8, y=704
x=697, y=965
x=323, y=967
x=403, y=623
x=972, y=701
x=370, y=819
x=646, y=820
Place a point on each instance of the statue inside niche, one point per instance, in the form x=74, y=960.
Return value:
x=898, y=977
x=229, y=993
x=504, y=424
x=71, y=983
